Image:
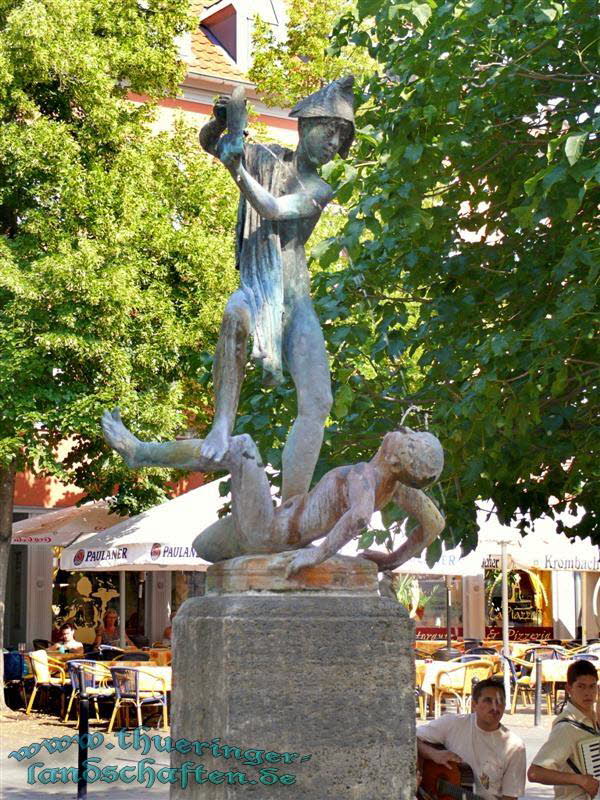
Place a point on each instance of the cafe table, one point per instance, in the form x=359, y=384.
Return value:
x=161, y=655
x=429, y=646
x=66, y=657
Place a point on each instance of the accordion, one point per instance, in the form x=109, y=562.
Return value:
x=588, y=753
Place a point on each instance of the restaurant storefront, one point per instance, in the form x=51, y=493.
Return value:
x=553, y=590
x=530, y=614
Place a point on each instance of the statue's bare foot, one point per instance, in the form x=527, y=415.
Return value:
x=216, y=444
x=119, y=437
x=292, y=562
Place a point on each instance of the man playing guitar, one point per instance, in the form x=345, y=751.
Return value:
x=495, y=755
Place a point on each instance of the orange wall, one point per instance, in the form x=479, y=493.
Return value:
x=31, y=490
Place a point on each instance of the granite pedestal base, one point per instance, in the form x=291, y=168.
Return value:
x=312, y=684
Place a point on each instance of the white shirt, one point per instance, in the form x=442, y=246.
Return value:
x=562, y=744
x=497, y=758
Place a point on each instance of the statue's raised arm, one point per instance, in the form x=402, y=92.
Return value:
x=282, y=198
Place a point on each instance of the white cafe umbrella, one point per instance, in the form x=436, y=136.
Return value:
x=61, y=527
x=160, y=538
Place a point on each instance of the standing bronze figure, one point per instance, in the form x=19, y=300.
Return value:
x=282, y=197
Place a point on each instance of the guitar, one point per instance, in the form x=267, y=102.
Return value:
x=446, y=783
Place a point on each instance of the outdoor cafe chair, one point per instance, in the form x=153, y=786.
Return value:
x=92, y=675
x=539, y=651
x=522, y=680
x=481, y=651
x=138, y=687
x=464, y=659
x=585, y=657
x=14, y=673
x=48, y=674
x=468, y=644
x=593, y=647
x=109, y=652
x=132, y=655
x=456, y=682
x=94, y=655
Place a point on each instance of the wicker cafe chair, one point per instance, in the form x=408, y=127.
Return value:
x=464, y=659
x=543, y=652
x=108, y=652
x=481, y=651
x=522, y=678
x=420, y=695
x=92, y=675
x=133, y=655
x=457, y=682
x=14, y=673
x=48, y=674
x=138, y=687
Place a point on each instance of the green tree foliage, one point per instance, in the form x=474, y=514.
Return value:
x=473, y=245
x=285, y=71
x=115, y=245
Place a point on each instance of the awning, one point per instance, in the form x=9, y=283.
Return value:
x=160, y=538
x=60, y=528
x=542, y=548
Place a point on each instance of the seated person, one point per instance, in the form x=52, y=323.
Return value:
x=496, y=756
x=168, y=632
x=108, y=632
x=557, y=763
x=67, y=643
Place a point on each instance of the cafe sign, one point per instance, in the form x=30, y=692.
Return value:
x=146, y=556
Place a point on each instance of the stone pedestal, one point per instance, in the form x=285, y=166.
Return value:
x=310, y=678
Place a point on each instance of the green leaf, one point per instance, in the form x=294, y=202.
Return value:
x=560, y=382
x=574, y=147
x=572, y=206
x=546, y=14
x=343, y=401
x=413, y=153
x=555, y=175
x=434, y=552
x=422, y=12
x=368, y=7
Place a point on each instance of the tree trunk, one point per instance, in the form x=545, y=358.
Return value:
x=7, y=487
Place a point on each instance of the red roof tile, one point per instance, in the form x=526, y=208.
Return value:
x=209, y=59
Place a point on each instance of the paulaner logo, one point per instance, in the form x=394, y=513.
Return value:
x=155, y=551
x=179, y=552
x=78, y=557
x=116, y=554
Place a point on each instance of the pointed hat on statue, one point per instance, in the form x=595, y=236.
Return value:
x=334, y=100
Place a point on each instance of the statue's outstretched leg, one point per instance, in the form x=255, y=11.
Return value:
x=250, y=528
x=306, y=358
x=228, y=374
x=180, y=454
